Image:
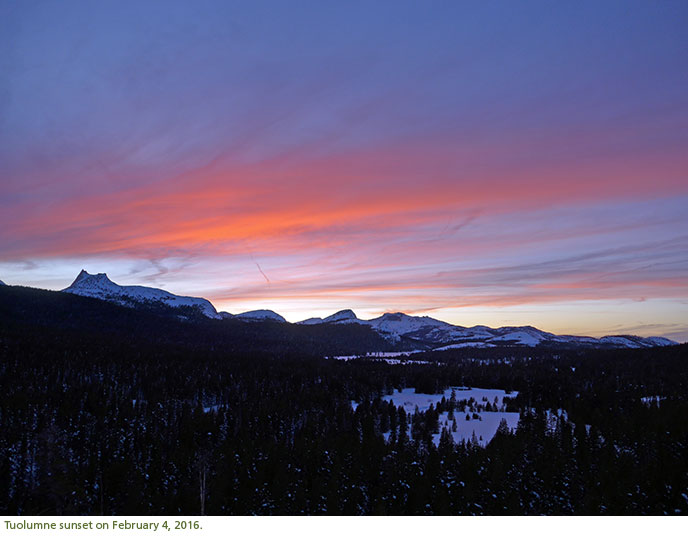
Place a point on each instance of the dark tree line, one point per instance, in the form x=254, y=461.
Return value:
x=98, y=421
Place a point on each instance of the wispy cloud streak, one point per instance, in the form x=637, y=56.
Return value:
x=383, y=156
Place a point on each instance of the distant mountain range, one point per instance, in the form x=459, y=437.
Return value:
x=422, y=332
x=439, y=335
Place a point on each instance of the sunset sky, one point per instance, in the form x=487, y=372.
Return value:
x=497, y=163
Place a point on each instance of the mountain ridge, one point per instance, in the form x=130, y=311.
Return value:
x=445, y=336
x=394, y=327
x=100, y=286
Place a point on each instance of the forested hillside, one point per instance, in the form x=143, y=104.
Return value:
x=126, y=419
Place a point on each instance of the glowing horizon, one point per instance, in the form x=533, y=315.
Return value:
x=496, y=165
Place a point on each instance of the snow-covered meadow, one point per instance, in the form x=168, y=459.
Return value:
x=484, y=427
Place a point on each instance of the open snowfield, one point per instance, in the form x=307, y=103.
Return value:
x=410, y=400
x=377, y=355
x=484, y=428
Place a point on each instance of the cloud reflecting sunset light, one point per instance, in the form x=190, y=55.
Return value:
x=482, y=166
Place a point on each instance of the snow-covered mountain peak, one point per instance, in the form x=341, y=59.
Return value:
x=101, y=287
x=346, y=314
x=433, y=333
x=632, y=341
x=261, y=315
x=400, y=323
x=84, y=280
x=394, y=316
x=396, y=327
x=660, y=341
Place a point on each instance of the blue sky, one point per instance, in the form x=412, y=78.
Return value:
x=482, y=162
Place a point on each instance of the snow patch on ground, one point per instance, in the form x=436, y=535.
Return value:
x=480, y=430
x=378, y=355
x=466, y=345
x=652, y=400
x=484, y=429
